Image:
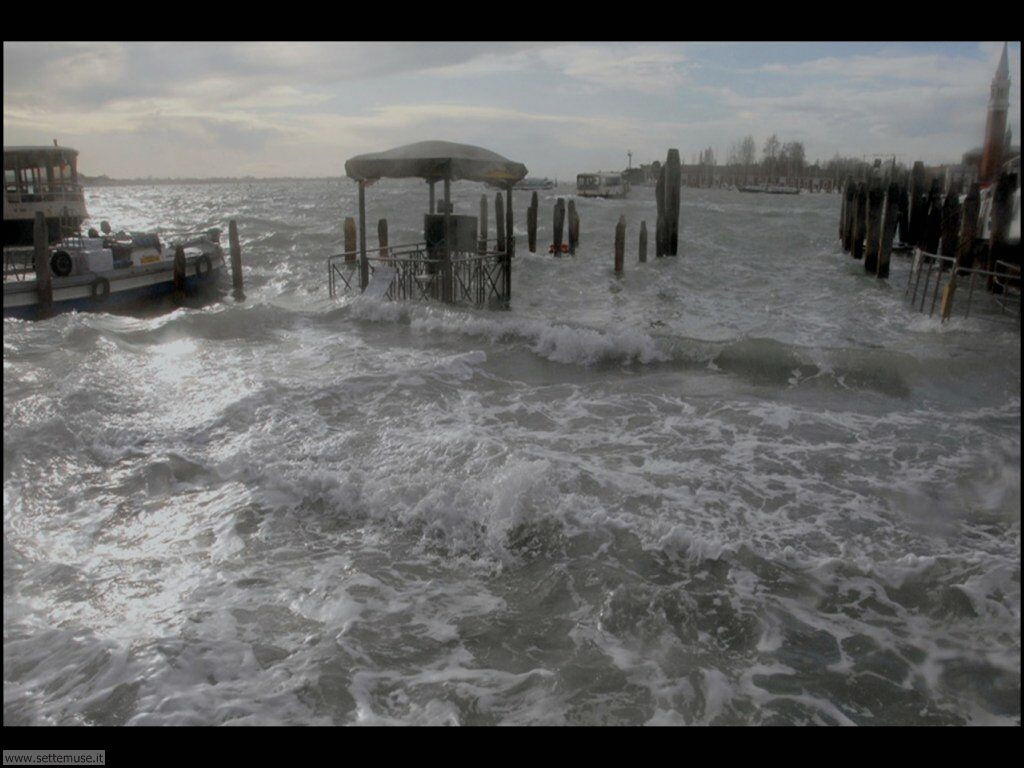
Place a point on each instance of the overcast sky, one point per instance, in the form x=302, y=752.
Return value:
x=302, y=109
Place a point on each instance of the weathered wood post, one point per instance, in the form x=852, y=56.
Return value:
x=510, y=245
x=950, y=226
x=620, y=244
x=44, y=279
x=850, y=199
x=918, y=204
x=860, y=215
x=431, y=207
x=659, y=224
x=179, y=274
x=382, y=237
x=904, y=214
x=531, y=224
x=499, y=219
x=1002, y=211
x=642, y=250
x=574, y=226
x=236, y=261
x=672, y=200
x=351, y=247
x=890, y=213
x=876, y=196
x=933, y=220
x=558, y=222
x=364, y=264
x=446, y=269
x=968, y=228
x=842, y=219
x=482, y=239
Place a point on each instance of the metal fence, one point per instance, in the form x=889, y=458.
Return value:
x=412, y=272
x=1002, y=283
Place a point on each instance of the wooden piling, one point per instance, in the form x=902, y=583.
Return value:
x=531, y=224
x=918, y=205
x=351, y=247
x=573, y=226
x=364, y=263
x=860, y=213
x=659, y=224
x=620, y=244
x=558, y=222
x=850, y=199
x=642, y=249
x=431, y=205
x=933, y=220
x=890, y=213
x=968, y=228
x=873, y=226
x=482, y=238
x=499, y=219
x=236, y=261
x=672, y=200
x=903, y=212
x=382, y=237
x=842, y=218
x=179, y=274
x=950, y=226
x=44, y=278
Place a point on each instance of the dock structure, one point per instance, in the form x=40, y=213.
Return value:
x=455, y=262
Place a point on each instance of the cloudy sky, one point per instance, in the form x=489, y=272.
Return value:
x=301, y=109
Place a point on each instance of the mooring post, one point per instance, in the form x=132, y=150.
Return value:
x=968, y=228
x=351, y=245
x=950, y=226
x=482, y=239
x=44, y=279
x=876, y=196
x=933, y=220
x=850, y=206
x=499, y=219
x=364, y=263
x=842, y=219
x=236, y=261
x=659, y=224
x=179, y=274
x=860, y=214
x=620, y=244
x=890, y=213
x=382, y=237
x=672, y=201
x=531, y=224
x=431, y=207
x=642, y=249
x=918, y=204
x=558, y=222
x=904, y=214
x=574, y=226
x=510, y=244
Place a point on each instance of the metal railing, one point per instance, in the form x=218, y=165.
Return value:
x=1003, y=282
x=415, y=273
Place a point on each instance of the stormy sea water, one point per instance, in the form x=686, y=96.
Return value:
x=746, y=485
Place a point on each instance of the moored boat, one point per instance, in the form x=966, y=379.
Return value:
x=610, y=185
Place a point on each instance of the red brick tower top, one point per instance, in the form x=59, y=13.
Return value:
x=995, y=125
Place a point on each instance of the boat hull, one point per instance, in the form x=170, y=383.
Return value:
x=147, y=289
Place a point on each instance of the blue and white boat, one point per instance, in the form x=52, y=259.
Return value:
x=123, y=272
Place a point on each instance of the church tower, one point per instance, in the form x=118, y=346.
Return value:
x=995, y=125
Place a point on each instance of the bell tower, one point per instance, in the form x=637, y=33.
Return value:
x=995, y=125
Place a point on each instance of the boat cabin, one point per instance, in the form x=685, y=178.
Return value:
x=41, y=179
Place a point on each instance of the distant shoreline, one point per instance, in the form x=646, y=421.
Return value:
x=106, y=181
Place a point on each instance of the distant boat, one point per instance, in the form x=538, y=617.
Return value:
x=534, y=183
x=611, y=185
x=771, y=190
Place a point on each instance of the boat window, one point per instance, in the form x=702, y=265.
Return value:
x=611, y=181
x=585, y=181
x=11, y=181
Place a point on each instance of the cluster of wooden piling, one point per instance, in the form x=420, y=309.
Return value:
x=930, y=219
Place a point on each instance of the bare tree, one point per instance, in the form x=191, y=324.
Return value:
x=771, y=154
